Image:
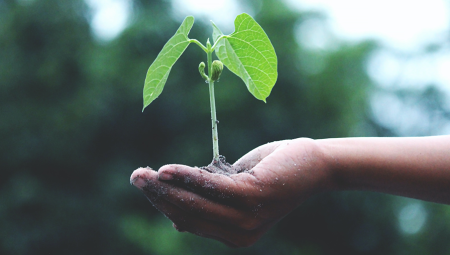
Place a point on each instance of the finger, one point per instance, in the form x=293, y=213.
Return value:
x=186, y=222
x=146, y=180
x=157, y=192
x=141, y=176
x=207, y=184
x=252, y=158
x=230, y=235
x=193, y=203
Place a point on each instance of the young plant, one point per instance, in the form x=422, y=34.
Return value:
x=247, y=52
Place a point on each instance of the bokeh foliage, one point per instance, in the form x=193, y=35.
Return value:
x=72, y=131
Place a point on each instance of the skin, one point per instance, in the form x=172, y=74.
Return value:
x=238, y=209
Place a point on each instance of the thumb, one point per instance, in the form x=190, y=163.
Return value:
x=252, y=158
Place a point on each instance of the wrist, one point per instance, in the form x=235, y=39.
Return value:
x=327, y=151
x=319, y=159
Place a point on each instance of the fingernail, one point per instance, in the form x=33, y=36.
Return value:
x=165, y=176
x=139, y=176
x=139, y=183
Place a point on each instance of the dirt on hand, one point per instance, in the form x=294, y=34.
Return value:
x=221, y=166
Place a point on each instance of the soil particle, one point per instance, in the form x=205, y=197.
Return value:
x=221, y=166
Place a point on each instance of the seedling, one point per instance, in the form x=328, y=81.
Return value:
x=247, y=52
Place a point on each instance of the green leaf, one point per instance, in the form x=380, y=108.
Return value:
x=249, y=54
x=160, y=68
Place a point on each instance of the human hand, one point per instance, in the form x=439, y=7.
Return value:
x=238, y=209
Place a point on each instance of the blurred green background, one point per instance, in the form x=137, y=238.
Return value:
x=72, y=132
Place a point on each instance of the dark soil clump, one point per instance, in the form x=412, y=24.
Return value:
x=222, y=167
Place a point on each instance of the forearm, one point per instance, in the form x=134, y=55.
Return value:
x=416, y=167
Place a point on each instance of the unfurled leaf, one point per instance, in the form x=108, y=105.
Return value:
x=160, y=68
x=249, y=54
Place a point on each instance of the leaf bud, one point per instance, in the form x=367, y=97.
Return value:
x=208, y=45
x=217, y=68
x=201, y=69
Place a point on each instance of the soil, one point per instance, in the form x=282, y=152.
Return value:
x=223, y=167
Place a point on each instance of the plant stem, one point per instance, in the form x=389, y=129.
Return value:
x=215, y=136
x=199, y=44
